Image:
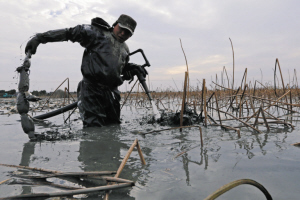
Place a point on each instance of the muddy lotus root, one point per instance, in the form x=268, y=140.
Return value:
x=27, y=123
x=24, y=81
x=22, y=103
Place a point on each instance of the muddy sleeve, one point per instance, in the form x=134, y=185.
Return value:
x=83, y=34
x=58, y=35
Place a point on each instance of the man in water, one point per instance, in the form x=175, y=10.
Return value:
x=104, y=65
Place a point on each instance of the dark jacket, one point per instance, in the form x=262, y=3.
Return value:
x=104, y=57
x=103, y=61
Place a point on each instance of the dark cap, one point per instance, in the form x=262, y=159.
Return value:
x=127, y=22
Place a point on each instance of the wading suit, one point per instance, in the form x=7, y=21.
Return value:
x=103, y=62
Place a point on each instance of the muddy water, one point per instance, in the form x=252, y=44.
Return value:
x=267, y=158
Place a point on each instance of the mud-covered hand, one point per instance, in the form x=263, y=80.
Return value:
x=132, y=69
x=32, y=45
x=136, y=69
x=127, y=76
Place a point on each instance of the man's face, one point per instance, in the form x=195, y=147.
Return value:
x=122, y=34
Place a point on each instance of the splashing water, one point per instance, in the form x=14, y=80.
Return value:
x=156, y=113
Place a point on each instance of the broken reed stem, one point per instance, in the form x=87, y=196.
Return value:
x=256, y=119
x=185, y=151
x=126, y=158
x=53, y=93
x=221, y=86
x=173, y=128
x=239, y=120
x=187, y=69
x=70, y=115
x=122, y=165
x=217, y=105
x=140, y=152
x=73, y=192
x=128, y=94
x=291, y=101
x=232, y=99
x=270, y=100
x=261, y=84
x=183, y=99
x=264, y=117
x=68, y=174
x=232, y=64
x=111, y=179
x=5, y=181
x=204, y=103
x=44, y=182
x=269, y=105
x=31, y=168
x=201, y=139
x=285, y=123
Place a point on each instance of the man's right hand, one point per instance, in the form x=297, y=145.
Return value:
x=32, y=45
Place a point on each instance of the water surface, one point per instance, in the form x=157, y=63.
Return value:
x=268, y=158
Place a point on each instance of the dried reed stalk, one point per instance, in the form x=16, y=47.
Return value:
x=183, y=99
x=72, y=192
x=122, y=165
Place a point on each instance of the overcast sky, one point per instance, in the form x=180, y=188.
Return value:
x=261, y=31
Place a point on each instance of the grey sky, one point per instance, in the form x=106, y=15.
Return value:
x=261, y=31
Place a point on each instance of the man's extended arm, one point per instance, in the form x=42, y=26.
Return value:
x=82, y=34
x=49, y=36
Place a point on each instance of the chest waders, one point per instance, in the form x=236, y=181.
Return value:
x=23, y=103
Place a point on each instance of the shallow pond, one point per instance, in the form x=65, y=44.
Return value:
x=268, y=158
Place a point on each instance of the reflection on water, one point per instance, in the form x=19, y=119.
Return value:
x=266, y=158
x=28, y=151
x=100, y=149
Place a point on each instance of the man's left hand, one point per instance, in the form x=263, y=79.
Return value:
x=132, y=69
